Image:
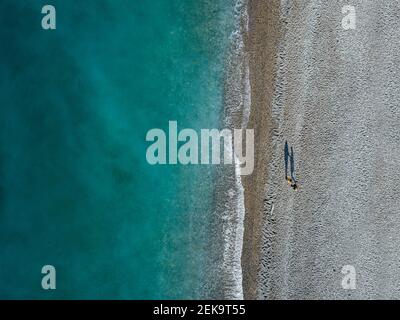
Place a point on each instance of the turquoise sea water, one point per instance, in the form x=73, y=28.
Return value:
x=76, y=103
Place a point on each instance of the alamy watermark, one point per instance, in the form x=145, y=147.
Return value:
x=349, y=20
x=49, y=20
x=49, y=280
x=349, y=279
x=186, y=147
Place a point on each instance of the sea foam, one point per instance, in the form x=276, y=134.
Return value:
x=237, y=109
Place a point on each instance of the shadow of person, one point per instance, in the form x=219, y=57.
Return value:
x=290, y=156
x=286, y=150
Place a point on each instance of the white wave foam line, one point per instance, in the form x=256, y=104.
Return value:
x=237, y=104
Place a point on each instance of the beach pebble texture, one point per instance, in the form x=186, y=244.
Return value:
x=335, y=100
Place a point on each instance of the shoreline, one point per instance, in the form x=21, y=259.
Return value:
x=229, y=193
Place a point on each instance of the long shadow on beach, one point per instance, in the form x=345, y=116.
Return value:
x=291, y=158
